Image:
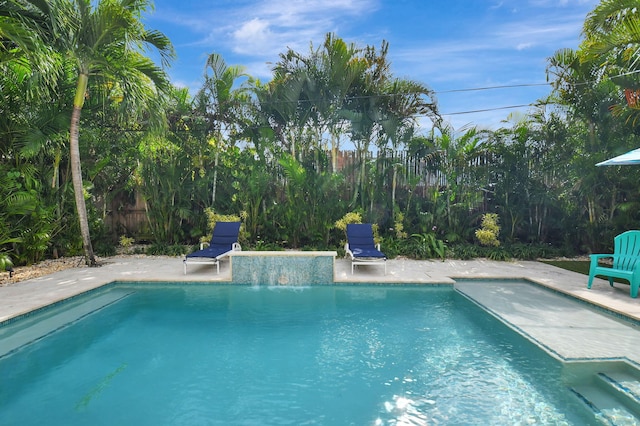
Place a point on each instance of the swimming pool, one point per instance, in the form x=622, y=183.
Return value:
x=220, y=354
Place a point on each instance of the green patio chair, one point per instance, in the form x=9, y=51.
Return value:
x=626, y=262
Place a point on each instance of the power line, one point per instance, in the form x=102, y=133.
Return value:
x=471, y=89
x=510, y=86
x=486, y=110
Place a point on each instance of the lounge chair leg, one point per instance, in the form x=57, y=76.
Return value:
x=184, y=262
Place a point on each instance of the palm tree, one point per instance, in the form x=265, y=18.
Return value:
x=102, y=39
x=106, y=39
x=612, y=43
x=285, y=103
x=574, y=79
x=219, y=101
x=454, y=154
x=26, y=38
x=614, y=27
x=405, y=102
x=333, y=69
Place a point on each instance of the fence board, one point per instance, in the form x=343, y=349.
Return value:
x=417, y=174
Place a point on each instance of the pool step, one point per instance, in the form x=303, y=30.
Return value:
x=613, y=396
x=35, y=327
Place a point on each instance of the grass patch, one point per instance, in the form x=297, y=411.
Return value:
x=580, y=266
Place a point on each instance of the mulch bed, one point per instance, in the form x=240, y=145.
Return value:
x=43, y=268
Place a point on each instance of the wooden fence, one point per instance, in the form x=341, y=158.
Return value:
x=418, y=174
x=126, y=217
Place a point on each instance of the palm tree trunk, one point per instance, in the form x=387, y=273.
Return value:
x=394, y=181
x=76, y=171
x=358, y=187
x=215, y=177
x=334, y=152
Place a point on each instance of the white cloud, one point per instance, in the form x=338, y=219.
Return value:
x=253, y=36
x=257, y=31
x=498, y=42
x=275, y=25
x=543, y=31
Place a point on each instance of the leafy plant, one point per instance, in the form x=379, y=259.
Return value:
x=105, y=249
x=5, y=261
x=159, y=249
x=126, y=242
x=524, y=251
x=465, y=251
x=261, y=245
x=498, y=253
x=356, y=218
x=348, y=218
x=488, y=234
x=213, y=218
x=392, y=247
x=398, y=225
x=427, y=246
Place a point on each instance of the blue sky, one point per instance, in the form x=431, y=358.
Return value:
x=447, y=45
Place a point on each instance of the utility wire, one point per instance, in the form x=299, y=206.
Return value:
x=510, y=86
x=486, y=110
x=471, y=89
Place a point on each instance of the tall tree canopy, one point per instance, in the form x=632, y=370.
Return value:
x=104, y=40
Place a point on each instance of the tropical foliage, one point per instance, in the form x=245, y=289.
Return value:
x=273, y=153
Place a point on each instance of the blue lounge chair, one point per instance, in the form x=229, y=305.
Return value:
x=625, y=262
x=361, y=247
x=223, y=241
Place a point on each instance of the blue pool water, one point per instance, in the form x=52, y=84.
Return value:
x=241, y=355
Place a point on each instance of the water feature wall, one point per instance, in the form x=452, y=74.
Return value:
x=292, y=268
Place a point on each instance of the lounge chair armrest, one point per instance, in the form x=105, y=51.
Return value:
x=378, y=246
x=348, y=251
x=236, y=247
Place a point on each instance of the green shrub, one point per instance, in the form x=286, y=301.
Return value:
x=264, y=246
x=535, y=251
x=465, y=251
x=488, y=234
x=524, y=251
x=159, y=249
x=355, y=217
x=104, y=249
x=398, y=225
x=392, y=247
x=126, y=242
x=213, y=218
x=427, y=246
x=349, y=218
x=499, y=254
x=5, y=261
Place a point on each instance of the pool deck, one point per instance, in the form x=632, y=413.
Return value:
x=561, y=325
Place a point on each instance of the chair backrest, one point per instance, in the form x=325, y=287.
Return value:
x=225, y=233
x=360, y=235
x=626, y=250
